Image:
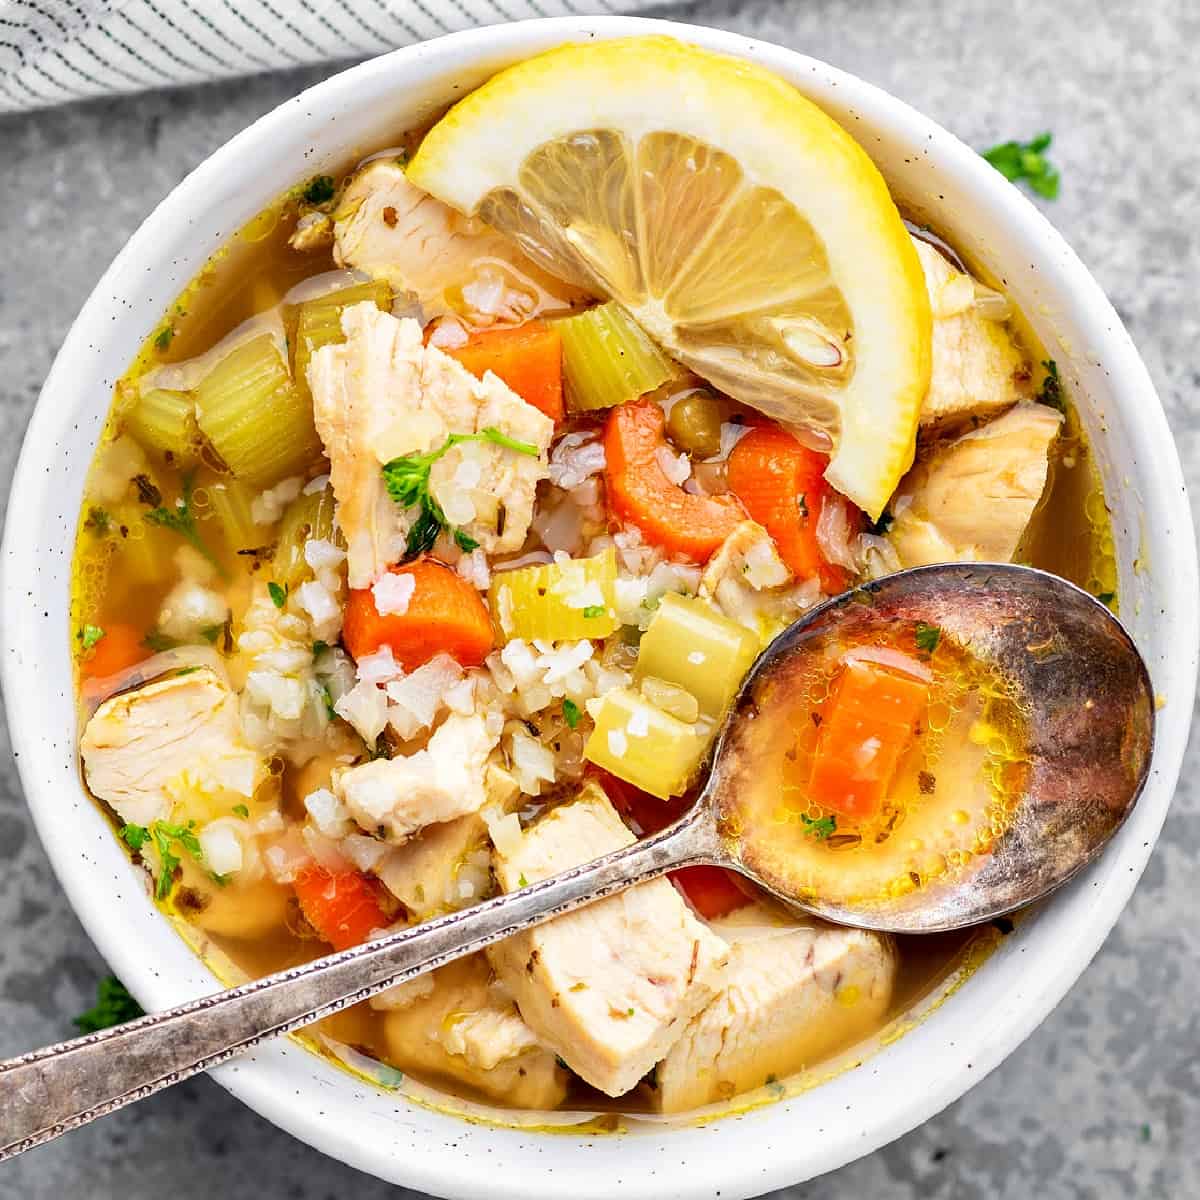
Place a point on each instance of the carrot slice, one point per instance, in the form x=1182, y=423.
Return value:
x=445, y=615
x=343, y=906
x=120, y=647
x=640, y=492
x=782, y=485
x=712, y=891
x=528, y=359
x=866, y=725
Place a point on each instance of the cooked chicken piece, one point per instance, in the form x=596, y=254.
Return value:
x=397, y=797
x=609, y=988
x=747, y=581
x=447, y=867
x=381, y=395
x=465, y=1029
x=452, y=264
x=972, y=499
x=977, y=369
x=186, y=726
x=314, y=231
x=789, y=996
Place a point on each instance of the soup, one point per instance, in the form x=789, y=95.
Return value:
x=431, y=536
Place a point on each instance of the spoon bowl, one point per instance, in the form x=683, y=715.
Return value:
x=1073, y=671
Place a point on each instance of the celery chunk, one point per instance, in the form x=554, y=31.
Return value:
x=319, y=323
x=644, y=745
x=308, y=518
x=230, y=501
x=608, y=358
x=557, y=602
x=163, y=421
x=255, y=418
x=692, y=645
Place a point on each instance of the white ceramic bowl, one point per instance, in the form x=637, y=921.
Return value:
x=937, y=178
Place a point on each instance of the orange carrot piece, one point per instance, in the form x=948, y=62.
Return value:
x=343, y=907
x=445, y=615
x=640, y=492
x=712, y=891
x=782, y=485
x=866, y=725
x=528, y=359
x=120, y=647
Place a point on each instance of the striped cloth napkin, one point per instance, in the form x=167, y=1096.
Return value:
x=54, y=51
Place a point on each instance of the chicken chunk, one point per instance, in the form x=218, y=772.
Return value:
x=973, y=498
x=446, y=867
x=397, y=797
x=185, y=727
x=382, y=394
x=978, y=371
x=450, y=263
x=789, y=996
x=461, y=1027
x=748, y=582
x=611, y=987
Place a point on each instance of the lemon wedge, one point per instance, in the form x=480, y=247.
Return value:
x=744, y=229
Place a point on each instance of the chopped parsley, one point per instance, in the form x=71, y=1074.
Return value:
x=1027, y=162
x=318, y=190
x=89, y=635
x=330, y=711
x=1106, y=597
x=97, y=521
x=241, y=810
x=593, y=610
x=278, y=593
x=1051, y=392
x=571, y=713
x=407, y=482
x=158, y=642
x=166, y=838
x=319, y=648
x=927, y=637
x=114, y=1006
x=180, y=519
x=819, y=827
x=522, y=882
x=465, y=541
x=162, y=339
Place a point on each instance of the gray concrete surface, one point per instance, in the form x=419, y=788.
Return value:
x=1104, y=1100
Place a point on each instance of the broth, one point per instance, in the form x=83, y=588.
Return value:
x=252, y=276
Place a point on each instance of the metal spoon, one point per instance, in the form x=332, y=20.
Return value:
x=1092, y=729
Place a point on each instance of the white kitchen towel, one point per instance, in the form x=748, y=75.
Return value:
x=54, y=51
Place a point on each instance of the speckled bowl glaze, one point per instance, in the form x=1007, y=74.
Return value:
x=937, y=178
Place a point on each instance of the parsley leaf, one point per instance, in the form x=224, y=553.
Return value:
x=571, y=713
x=927, y=637
x=278, y=593
x=162, y=339
x=182, y=521
x=593, y=610
x=114, y=1006
x=522, y=882
x=1027, y=162
x=241, y=810
x=98, y=521
x=318, y=190
x=319, y=648
x=1051, y=392
x=166, y=837
x=89, y=635
x=1106, y=597
x=407, y=482
x=819, y=827
x=134, y=836
x=158, y=642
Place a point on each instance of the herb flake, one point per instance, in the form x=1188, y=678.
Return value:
x=1026, y=162
x=571, y=713
x=319, y=190
x=927, y=637
x=89, y=635
x=182, y=520
x=819, y=827
x=1051, y=391
x=593, y=610
x=278, y=593
x=114, y=1006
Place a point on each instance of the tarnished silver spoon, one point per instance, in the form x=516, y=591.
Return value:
x=1070, y=663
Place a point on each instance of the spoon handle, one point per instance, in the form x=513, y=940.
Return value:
x=54, y=1090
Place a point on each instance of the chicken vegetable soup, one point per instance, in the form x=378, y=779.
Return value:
x=434, y=530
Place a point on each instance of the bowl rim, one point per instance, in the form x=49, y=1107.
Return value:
x=269, y=1081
